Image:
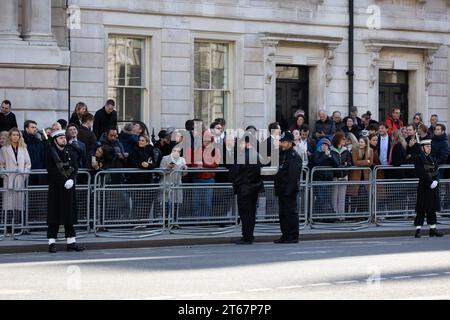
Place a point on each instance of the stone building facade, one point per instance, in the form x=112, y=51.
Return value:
x=251, y=61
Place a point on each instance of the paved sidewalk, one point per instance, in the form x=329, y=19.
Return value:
x=216, y=236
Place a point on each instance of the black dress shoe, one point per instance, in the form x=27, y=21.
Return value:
x=417, y=235
x=75, y=247
x=435, y=233
x=243, y=241
x=52, y=248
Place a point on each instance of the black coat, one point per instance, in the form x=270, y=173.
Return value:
x=88, y=137
x=246, y=177
x=7, y=122
x=36, y=151
x=288, y=175
x=341, y=159
x=135, y=159
x=321, y=160
x=440, y=148
x=61, y=203
x=427, y=170
x=75, y=120
x=103, y=121
x=328, y=127
x=398, y=158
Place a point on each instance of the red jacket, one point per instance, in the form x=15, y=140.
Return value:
x=210, y=160
x=392, y=125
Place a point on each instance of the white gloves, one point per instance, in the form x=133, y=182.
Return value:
x=69, y=184
x=434, y=184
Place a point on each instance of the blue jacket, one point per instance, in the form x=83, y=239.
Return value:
x=440, y=148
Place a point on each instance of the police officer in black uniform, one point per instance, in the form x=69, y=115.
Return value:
x=247, y=184
x=427, y=191
x=286, y=189
x=61, y=162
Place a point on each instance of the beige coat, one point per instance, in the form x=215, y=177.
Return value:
x=11, y=199
x=180, y=164
x=355, y=175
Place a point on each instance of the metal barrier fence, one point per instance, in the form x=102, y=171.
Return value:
x=340, y=198
x=128, y=204
x=394, y=195
x=6, y=194
x=267, y=214
x=31, y=193
x=200, y=206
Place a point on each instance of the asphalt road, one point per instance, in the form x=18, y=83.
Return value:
x=388, y=268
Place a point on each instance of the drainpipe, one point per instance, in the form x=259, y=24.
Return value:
x=70, y=62
x=350, y=71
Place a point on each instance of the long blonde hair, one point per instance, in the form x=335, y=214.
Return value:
x=366, y=149
x=21, y=141
x=397, y=138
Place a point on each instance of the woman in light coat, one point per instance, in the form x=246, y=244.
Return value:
x=14, y=157
x=169, y=164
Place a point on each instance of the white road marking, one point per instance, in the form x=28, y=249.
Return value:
x=401, y=277
x=290, y=287
x=429, y=275
x=347, y=282
x=318, y=284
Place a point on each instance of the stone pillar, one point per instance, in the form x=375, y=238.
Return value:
x=9, y=21
x=37, y=22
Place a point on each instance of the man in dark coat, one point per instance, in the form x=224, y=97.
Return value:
x=286, y=189
x=62, y=171
x=325, y=127
x=247, y=184
x=7, y=118
x=105, y=118
x=85, y=133
x=34, y=144
x=427, y=191
x=440, y=147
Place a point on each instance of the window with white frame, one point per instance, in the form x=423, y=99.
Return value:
x=211, y=80
x=126, y=72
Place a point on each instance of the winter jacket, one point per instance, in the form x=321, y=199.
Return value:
x=328, y=127
x=393, y=125
x=440, y=148
x=36, y=150
x=103, y=121
x=341, y=158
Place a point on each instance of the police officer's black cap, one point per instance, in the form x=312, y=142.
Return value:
x=287, y=136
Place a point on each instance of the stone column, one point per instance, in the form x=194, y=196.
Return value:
x=9, y=21
x=37, y=22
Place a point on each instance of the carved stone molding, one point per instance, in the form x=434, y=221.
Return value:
x=428, y=57
x=270, y=49
x=374, y=58
x=270, y=42
x=329, y=56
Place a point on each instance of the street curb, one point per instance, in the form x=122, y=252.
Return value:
x=155, y=243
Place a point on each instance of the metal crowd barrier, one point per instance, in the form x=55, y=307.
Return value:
x=340, y=204
x=394, y=195
x=267, y=214
x=128, y=204
x=6, y=194
x=443, y=217
x=31, y=191
x=200, y=208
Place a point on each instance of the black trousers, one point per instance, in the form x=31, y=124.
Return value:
x=420, y=218
x=289, y=221
x=52, y=231
x=247, y=212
